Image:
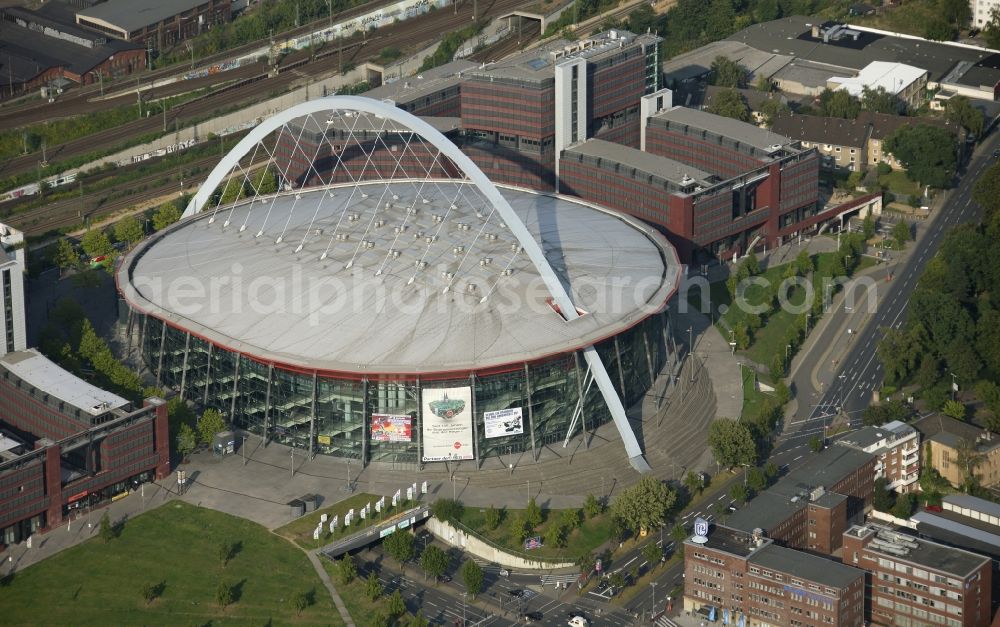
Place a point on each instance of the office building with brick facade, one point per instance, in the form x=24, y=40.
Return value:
x=812, y=506
x=916, y=582
x=66, y=444
x=738, y=577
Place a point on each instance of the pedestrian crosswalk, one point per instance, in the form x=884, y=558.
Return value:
x=551, y=580
x=664, y=621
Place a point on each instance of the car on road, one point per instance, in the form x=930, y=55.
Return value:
x=578, y=621
x=444, y=578
x=530, y=617
x=516, y=593
x=602, y=584
x=996, y=153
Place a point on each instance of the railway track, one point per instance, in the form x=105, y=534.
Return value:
x=516, y=41
x=408, y=35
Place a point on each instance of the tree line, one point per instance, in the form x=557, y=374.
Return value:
x=952, y=335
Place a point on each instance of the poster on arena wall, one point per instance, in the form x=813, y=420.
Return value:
x=447, y=424
x=391, y=428
x=503, y=422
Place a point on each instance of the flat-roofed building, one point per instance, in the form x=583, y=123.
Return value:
x=738, y=577
x=918, y=582
x=156, y=24
x=897, y=446
x=812, y=506
x=69, y=443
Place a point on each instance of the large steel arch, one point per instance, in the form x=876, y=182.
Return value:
x=485, y=187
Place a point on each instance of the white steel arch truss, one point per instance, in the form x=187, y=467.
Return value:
x=350, y=113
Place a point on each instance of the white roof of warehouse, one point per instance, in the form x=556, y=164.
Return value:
x=892, y=77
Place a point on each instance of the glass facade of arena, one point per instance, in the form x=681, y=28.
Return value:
x=332, y=415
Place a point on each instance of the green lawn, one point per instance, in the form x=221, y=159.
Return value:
x=897, y=183
x=177, y=546
x=301, y=529
x=911, y=18
x=582, y=540
x=753, y=399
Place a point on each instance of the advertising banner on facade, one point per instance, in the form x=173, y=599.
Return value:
x=390, y=428
x=447, y=423
x=503, y=422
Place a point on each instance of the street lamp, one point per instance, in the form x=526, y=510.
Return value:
x=954, y=385
x=464, y=594
x=652, y=584
x=243, y=449
x=691, y=350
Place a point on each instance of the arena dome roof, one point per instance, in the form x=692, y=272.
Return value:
x=344, y=280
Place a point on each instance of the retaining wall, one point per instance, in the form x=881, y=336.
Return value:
x=471, y=544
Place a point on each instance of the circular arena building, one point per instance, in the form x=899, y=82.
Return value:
x=388, y=303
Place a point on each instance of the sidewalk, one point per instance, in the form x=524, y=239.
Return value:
x=85, y=525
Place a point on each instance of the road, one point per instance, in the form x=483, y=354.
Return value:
x=859, y=372
x=443, y=604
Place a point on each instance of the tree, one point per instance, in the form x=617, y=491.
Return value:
x=128, y=230
x=644, y=505
x=571, y=518
x=555, y=535
x=878, y=100
x=882, y=498
x=955, y=409
x=868, y=226
x=959, y=110
x=493, y=517
x=991, y=32
x=732, y=443
x=373, y=587
x=838, y=104
x=652, y=553
x=447, y=510
x=679, y=534
x=772, y=109
x=904, y=506
x=727, y=73
x=763, y=83
x=300, y=601
x=400, y=546
x=226, y=551
x=418, y=620
x=771, y=471
x=901, y=234
x=937, y=29
x=434, y=561
x=956, y=12
x=396, y=606
x=165, y=215
x=731, y=104
x=815, y=444
x=211, y=423
x=96, y=243
x=533, y=513
x=224, y=594
x=739, y=493
x=150, y=591
x=472, y=576
x=592, y=506
x=519, y=527
x=694, y=482
x=186, y=440
x=65, y=256
x=878, y=415
x=927, y=152
x=617, y=580
x=347, y=570
x=106, y=530
x=756, y=479
x=989, y=393
x=265, y=182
